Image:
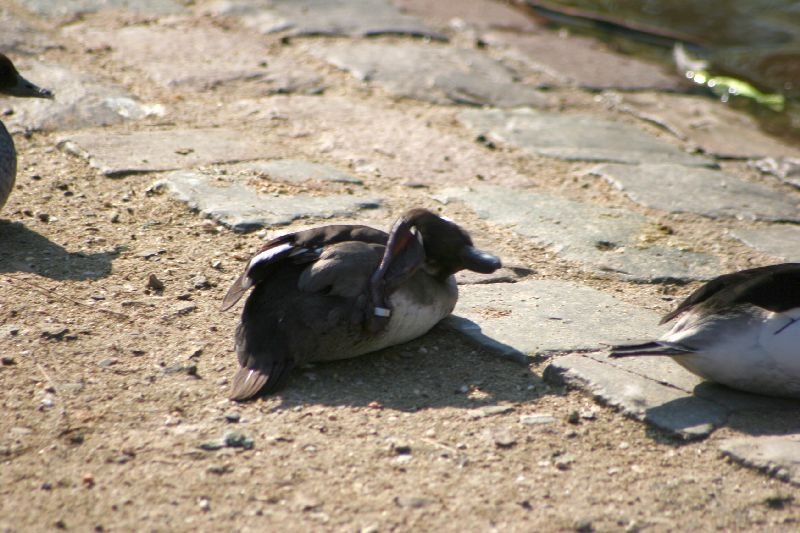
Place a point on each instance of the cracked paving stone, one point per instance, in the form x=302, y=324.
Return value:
x=431, y=72
x=711, y=193
x=602, y=239
x=584, y=62
x=660, y=404
x=118, y=154
x=74, y=8
x=483, y=14
x=247, y=57
x=399, y=145
x=298, y=171
x=782, y=242
x=714, y=126
x=243, y=209
x=778, y=456
x=575, y=137
x=18, y=37
x=537, y=317
x=356, y=18
x=81, y=102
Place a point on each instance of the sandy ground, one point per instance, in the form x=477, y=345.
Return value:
x=114, y=391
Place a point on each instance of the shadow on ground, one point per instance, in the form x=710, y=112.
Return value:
x=441, y=369
x=24, y=250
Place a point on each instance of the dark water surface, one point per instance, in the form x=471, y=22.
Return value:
x=755, y=41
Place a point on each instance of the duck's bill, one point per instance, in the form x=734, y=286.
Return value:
x=24, y=88
x=480, y=261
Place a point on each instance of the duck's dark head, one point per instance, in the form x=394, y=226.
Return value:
x=12, y=84
x=448, y=247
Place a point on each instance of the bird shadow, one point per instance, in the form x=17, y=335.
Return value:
x=24, y=250
x=440, y=369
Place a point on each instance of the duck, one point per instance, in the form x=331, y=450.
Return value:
x=740, y=329
x=12, y=84
x=340, y=291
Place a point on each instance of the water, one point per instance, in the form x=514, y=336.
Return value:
x=756, y=42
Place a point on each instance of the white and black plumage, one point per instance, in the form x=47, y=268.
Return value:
x=12, y=84
x=740, y=329
x=340, y=291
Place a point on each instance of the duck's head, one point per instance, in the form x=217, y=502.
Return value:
x=447, y=247
x=12, y=84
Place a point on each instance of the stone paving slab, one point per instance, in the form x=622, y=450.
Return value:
x=782, y=242
x=537, y=317
x=713, y=126
x=377, y=141
x=482, y=14
x=18, y=37
x=81, y=102
x=118, y=154
x=356, y=18
x=297, y=171
x=243, y=209
x=195, y=53
x=575, y=137
x=777, y=456
x=711, y=193
x=431, y=72
x=662, y=405
x=73, y=8
x=584, y=62
x=601, y=239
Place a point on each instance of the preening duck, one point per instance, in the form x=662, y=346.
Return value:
x=12, y=84
x=340, y=291
x=740, y=329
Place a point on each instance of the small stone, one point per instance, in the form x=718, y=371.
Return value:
x=108, y=362
x=563, y=462
x=48, y=401
x=504, y=439
x=185, y=309
x=573, y=417
x=155, y=284
x=401, y=448
x=588, y=414
x=114, y=217
x=88, y=480
x=200, y=282
x=7, y=360
x=204, y=504
x=490, y=410
x=44, y=217
x=536, y=419
x=54, y=332
x=234, y=439
x=232, y=417
x=412, y=502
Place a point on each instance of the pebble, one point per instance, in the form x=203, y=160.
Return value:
x=490, y=410
x=563, y=462
x=108, y=362
x=232, y=417
x=154, y=283
x=536, y=419
x=504, y=439
x=7, y=360
x=204, y=504
x=200, y=282
x=234, y=439
x=411, y=502
x=185, y=309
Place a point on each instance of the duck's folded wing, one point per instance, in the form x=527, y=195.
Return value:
x=342, y=269
x=255, y=379
x=649, y=348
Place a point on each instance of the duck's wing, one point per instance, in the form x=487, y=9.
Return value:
x=342, y=269
x=649, y=348
x=774, y=287
x=297, y=248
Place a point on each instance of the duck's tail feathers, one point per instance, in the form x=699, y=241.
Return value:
x=657, y=348
x=251, y=382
